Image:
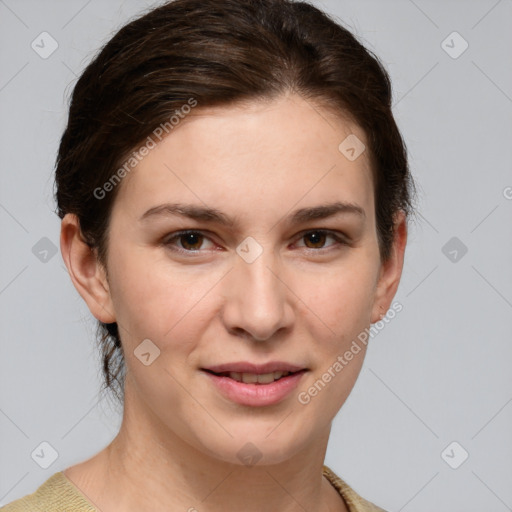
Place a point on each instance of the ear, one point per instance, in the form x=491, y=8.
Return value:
x=86, y=272
x=391, y=270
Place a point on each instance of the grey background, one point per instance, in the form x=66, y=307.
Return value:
x=438, y=373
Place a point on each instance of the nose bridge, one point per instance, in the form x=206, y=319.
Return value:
x=259, y=277
x=258, y=299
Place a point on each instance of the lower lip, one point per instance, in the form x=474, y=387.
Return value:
x=256, y=395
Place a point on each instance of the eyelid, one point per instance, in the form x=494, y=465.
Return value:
x=166, y=241
x=341, y=241
x=339, y=237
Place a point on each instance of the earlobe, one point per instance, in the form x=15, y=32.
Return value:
x=391, y=270
x=86, y=272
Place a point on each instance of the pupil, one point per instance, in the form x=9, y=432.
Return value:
x=189, y=236
x=316, y=235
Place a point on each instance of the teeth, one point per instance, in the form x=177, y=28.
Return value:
x=252, y=378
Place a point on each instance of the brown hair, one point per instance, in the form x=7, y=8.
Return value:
x=217, y=52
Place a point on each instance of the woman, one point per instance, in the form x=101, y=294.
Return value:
x=234, y=195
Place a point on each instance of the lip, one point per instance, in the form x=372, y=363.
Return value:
x=256, y=395
x=246, y=367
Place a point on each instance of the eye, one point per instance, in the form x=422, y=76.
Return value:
x=318, y=236
x=191, y=241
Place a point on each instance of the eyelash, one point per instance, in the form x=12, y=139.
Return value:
x=175, y=236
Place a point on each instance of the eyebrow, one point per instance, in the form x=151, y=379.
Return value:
x=213, y=215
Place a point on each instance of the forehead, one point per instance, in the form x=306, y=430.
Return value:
x=256, y=154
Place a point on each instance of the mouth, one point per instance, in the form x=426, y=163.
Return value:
x=255, y=386
x=255, y=378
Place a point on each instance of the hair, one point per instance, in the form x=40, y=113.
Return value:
x=217, y=53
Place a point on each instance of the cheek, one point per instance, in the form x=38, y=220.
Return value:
x=337, y=315
x=339, y=306
x=342, y=299
x=149, y=301
x=159, y=302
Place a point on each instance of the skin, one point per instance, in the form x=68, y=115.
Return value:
x=303, y=300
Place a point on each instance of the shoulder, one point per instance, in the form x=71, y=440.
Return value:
x=57, y=494
x=354, y=502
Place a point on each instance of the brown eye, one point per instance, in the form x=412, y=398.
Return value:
x=316, y=239
x=189, y=241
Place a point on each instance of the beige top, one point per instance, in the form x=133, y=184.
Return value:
x=59, y=494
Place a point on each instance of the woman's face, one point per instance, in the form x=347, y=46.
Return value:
x=255, y=283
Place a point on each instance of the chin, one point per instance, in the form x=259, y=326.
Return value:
x=266, y=443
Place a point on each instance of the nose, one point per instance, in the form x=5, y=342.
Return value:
x=259, y=302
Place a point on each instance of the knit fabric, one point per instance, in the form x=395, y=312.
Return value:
x=354, y=502
x=59, y=494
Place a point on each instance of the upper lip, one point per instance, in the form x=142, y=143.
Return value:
x=246, y=367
